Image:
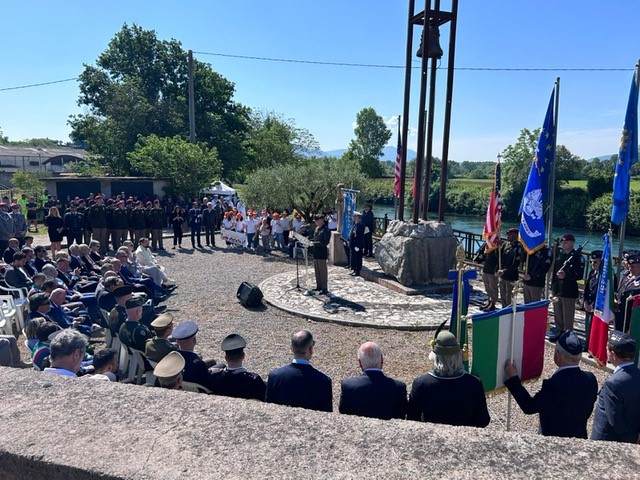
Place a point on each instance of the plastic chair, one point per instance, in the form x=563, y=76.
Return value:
x=5, y=326
x=20, y=300
x=11, y=314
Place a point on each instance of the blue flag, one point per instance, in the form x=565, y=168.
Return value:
x=349, y=208
x=627, y=156
x=532, y=231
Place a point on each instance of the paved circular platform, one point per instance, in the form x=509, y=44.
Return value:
x=358, y=302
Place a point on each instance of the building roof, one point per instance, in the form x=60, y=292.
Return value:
x=42, y=153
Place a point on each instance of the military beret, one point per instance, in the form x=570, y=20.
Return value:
x=185, y=330
x=15, y=205
x=596, y=254
x=446, y=344
x=633, y=259
x=149, y=203
x=512, y=230
x=233, y=342
x=134, y=302
x=120, y=202
x=568, y=237
x=570, y=342
x=162, y=321
x=170, y=366
x=110, y=201
x=623, y=341
x=73, y=205
x=122, y=291
x=3, y=204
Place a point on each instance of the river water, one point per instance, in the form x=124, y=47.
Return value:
x=475, y=224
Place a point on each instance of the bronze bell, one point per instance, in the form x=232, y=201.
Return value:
x=434, y=51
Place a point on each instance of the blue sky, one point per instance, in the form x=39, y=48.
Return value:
x=46, y=41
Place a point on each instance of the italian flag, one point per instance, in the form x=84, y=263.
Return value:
x=492, y=342
x=603, y=312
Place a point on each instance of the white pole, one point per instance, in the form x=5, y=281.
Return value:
x=514, y=307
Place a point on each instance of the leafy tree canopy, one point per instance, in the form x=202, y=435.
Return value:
x=191, y=166
x=139, y=87
x=29, y=183
x=372, y=134
x=274, y=140
x=309, y=186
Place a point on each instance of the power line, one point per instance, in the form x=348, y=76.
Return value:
x=38, y=84
x=359, y=65
x=369, y=65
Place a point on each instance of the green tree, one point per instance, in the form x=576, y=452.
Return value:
x=274, y=140
x=517, y=160
x=89, y=167
x=309, y=185
x=372, y=135
x=28, y=183
x=191, y=166
x=139, y=87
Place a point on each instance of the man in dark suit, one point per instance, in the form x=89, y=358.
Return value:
x=298, y=384
x=73, y=224
x=617, y=416
x=373, y=394
x=12, y=249
x=356, y=244
x=370, y=225
x=448, y=394
x=15, y=276
x=565, y=401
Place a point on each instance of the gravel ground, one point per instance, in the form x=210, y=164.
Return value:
x=208, y=280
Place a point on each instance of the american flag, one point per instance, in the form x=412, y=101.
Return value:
x=493, y=223
x=397, y=180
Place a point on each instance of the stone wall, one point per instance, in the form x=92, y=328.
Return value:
x=64, y=428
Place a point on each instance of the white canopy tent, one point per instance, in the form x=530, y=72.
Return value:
x=220, y=189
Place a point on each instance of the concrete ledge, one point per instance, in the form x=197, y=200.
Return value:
x=65, y=428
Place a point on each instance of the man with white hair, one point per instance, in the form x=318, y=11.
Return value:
x=149, y=266
x=373, y=394
x=448, y=394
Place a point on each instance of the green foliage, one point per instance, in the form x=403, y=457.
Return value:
x=599, y=214
x=599, y=182
x=372, y=135
x=570, y=207
x=191, y=166
x=309, y=186
x=28, y=183
x=466, y=199
x=139, y=87
x=89, y=167
x=274, y=140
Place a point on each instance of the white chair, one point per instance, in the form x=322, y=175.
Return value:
x=11, y=313
x=5, y=324
x=21, y=301
x=194, y=387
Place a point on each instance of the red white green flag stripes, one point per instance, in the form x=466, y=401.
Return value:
x=603, y=312
x=492, y=341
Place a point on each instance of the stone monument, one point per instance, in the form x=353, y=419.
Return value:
x=417, y=254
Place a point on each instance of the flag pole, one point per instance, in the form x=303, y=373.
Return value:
x=514, y=306
x=552, y=182
x=395, y=197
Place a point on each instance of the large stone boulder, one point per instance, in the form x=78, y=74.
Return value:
x=417, y=254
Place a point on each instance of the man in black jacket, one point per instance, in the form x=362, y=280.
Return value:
x=538, y=265
x=566, y=399
x=356, y=244
x=120, y=225
x=369, y=224
x=298, y=384
x=157, y=217
x=373, y=394
x=489, y=261
x=567, y=269
x=321, y=238
x=73, y=224
x=617, y=415
x=508, y=273
x=98, y=220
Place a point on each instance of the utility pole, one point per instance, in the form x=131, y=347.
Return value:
x=192, y=107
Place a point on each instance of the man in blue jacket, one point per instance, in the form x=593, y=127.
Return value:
x=617, y=416
x=298, y=384
x=373, y=394
x=565, y=401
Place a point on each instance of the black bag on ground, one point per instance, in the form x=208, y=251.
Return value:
x=249, y=295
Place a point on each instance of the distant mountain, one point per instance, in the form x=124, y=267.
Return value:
x=389, y=153
x=602, y=157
